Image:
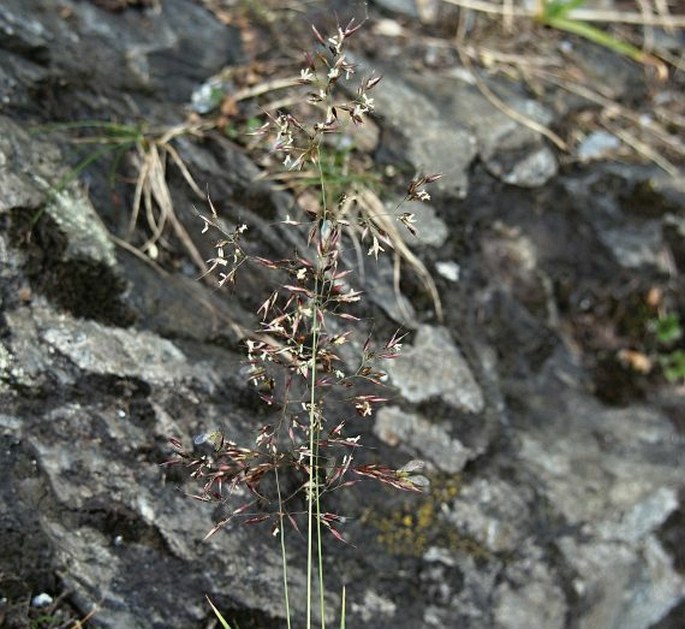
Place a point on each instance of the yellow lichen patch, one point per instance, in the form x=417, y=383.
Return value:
x=417, y=524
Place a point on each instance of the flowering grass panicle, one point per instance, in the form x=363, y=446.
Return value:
x=294, y=356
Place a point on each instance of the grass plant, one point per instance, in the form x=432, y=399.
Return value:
x=306, y=451
x=150, y=151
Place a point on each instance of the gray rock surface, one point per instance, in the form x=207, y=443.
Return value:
x=434, y=366
x=431, y=230
x=424, y=439
x=430, y=143
x=556, y=496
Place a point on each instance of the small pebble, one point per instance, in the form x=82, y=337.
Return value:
x=41, y=600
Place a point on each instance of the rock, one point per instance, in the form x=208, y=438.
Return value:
x=430, y=143
x=75, y=216
x=405, y=7
x=546, y=507
x=94, y=348
x=89, y=450
x=492, y=512
x=501, y=156
x=23, y=35
x=510, y=151
x=637, y=246
x=598, y=145
x=619, y=508
x=427, y=11
x=424, y=439
x=433, y=366
x=630, y=223
x=378, y=281
x=536, y=604
x=70, y=245
x=617, y=74
x=431, y=230
x=447, y=131
x=449, y=269
x=142, y=49
x=636, y=590
x=512, y=257
x=23, y=186
x=674, y=234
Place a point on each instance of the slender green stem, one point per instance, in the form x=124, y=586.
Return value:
x=319, y=538
x=313, y=501
x=313, y=487
x=284, y=558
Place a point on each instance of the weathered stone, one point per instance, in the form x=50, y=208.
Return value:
x=546, y=508
x=433, y=366
x=536, y=168
x=405, y=7
x=619, y=506
x=510, y=151
x=97, y=349
x=630, y=589
x=431, y=144
x=22, y=164
x=449, y=269
x=494, y=513
x=429, y=441
x=431, y=230
x=598, y=145
x=638, y=246
x=537, y=604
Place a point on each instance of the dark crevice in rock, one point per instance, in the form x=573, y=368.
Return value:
x=675, y=619
x=672, y=535
x=84, y=287
x=119, y=523
x=29, y=564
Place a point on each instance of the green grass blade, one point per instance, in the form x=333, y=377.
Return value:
x=217, y=613
x=558, y=8
x=113, y=128
x=598, y=36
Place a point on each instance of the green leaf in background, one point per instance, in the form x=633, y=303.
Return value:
x=673, y=365
x=667, y=328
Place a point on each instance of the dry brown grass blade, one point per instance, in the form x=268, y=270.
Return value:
x=164, y=142
x=155, y=194
x=581, y=15
x=495, y=100
x=152, y=193
x=265, y=87
x=162, y=196
x=640, y=147
x=176, y=158
x=373, y=210
x=676, y=62
x=634, y=118
x=663, y=10
x=126, y=245
x=142, y=165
